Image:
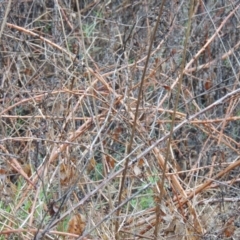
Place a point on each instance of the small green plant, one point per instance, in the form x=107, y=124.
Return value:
x=144, y=201
x=88, y=29
x=98, y=172
x=63, y=225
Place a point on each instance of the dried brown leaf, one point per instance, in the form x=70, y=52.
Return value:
x=229, y=228
x=27, y=169
x=66, y=174
x=77, y=224
x=110, y=162
x=52, y=208
x=91, y=165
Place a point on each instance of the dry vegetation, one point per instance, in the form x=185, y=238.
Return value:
x=111, y=130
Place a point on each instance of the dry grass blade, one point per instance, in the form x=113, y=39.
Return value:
x=119, y=119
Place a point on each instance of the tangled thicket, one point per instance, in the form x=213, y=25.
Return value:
x=86, y=133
